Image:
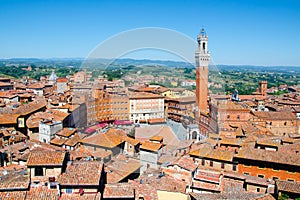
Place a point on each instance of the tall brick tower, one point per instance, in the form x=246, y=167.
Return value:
x=263, y=87
x=202, y=57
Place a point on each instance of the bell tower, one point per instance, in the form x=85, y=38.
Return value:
x=202, y=57
x=263, y=88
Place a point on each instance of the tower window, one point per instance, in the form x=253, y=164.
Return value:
x=203, y=45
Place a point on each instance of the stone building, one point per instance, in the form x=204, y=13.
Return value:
x=279, y=123
x=45, y=166
x=144, y=106
x=47, y=130
x=150, y=152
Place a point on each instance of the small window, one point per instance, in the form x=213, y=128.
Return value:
x=203, y=162
x=69, y=190
x=238, y=117
x=270, y=123
x=261, y=176
x=222, y=165
x=285, y=123
x=291, y=180
x=261, y=167
x=246, y=173
x=211, y=163
x=234, y=167
x=228, y=116
x=38, y=171
x=257, y=189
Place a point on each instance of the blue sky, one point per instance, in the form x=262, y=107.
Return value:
x=259, y=32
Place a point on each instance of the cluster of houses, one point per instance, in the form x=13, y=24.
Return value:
x=70, y=138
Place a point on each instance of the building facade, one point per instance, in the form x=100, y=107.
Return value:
x=144, y=106
x=181, y=109
x=47, y=130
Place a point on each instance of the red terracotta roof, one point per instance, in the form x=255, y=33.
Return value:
x=186, y=163
x=156, y=120
x=120, y=168
x=232, y=195
x=268, y=156
x=73, y=140
x=275, y=115
x=15, y=195
x=81, y=173
x=286, y=186
x=34, y=119
x=144, y=95
x=110, y=139
x=151, y=146
x=214, y=154
x=58, y=141
x=46, y=158
x=41, y=193
x=66, y=132
x=61, y=80
x=36, y=86
x=119, y=190
x=26, y=109
x=9, y=118
x=85, y=196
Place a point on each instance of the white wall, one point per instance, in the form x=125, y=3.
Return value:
x=47, y=131
x=150, y=158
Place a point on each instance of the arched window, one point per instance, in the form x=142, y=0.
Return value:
x=203, y=46
x=194, y=135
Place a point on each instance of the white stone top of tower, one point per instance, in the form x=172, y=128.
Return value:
x=202, y=54
x=203, y=42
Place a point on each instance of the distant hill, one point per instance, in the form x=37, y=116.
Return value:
x=291, y=69
x=117, y=63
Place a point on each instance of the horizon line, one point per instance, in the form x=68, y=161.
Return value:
x=141, y=59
